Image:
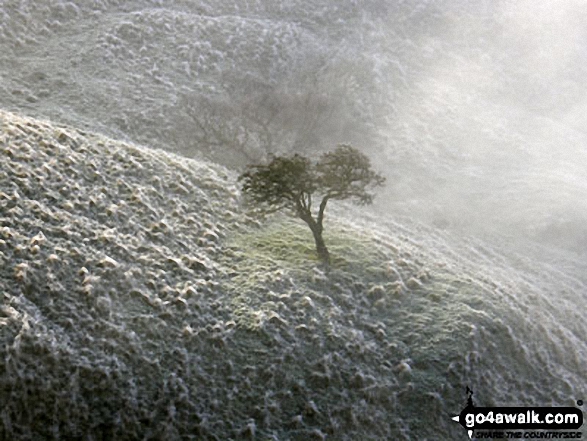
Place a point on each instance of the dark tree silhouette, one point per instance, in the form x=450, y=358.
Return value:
x=291, y=183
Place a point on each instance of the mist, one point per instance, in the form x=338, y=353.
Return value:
x=474, y=110
x=142, y=300
x=489, y=134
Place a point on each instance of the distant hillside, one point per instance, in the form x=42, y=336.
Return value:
x=474, y=109
x=140, y=302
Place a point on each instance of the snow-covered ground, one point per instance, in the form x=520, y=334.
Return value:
x=140, y=302
x=474, y=109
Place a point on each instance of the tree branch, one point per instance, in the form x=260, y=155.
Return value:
x=321, y=210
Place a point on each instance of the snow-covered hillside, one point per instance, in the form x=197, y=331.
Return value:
x=140, y=302
x=475, y=109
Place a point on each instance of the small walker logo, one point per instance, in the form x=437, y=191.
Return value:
x=516, y=422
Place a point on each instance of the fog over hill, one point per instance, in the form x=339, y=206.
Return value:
x=475, y=109
x=139, y=301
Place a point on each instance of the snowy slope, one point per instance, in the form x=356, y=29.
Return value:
x=140, y=302
x=475, y=109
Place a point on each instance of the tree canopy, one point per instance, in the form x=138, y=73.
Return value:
x=293, y=183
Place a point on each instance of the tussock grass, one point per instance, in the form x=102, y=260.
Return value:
x=140, y=302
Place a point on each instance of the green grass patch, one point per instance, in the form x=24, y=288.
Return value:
x=290, y=242
x=279, y=258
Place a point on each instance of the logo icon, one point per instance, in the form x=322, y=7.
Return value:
x=523, y=418
x=469, y=406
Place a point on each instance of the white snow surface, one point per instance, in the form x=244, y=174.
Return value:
x=474, y=109
x=139, y=301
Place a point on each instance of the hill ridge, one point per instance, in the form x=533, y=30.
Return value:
x=141, y=302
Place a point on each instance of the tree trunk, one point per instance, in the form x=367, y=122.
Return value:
x=316, y=228
x=321, y=249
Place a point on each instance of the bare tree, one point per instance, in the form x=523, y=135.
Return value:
x=215, y=129
x=251, y=119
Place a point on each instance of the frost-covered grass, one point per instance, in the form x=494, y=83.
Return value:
x=290, y=241
x=467, y=122
x=139, y=301
x=470, y=135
